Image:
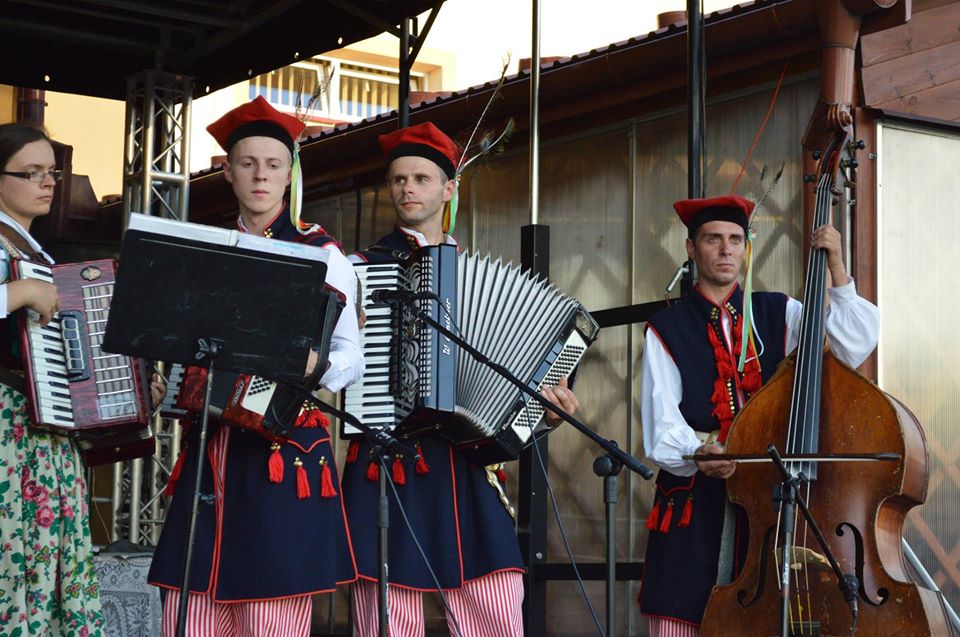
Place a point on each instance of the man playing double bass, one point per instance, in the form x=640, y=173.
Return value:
x=693, y=387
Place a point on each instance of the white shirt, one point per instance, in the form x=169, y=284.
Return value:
x=852, y=323
x=345, y=357
x=4, y=266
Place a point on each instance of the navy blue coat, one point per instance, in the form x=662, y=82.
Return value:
x=265, y=543
x=456, y=513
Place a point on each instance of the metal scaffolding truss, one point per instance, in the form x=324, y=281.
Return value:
x=156, y=181
x=156, y=176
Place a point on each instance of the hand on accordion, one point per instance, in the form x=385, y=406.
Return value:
x=37, y=295
x=561, y=395
x=158, y=389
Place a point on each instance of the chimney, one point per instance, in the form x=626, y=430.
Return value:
x=671, y=18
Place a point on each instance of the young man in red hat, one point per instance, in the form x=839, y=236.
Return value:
x=271, y=529
x=691, y=548
x=458, y=511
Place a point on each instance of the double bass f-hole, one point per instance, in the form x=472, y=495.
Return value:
x=882, y=593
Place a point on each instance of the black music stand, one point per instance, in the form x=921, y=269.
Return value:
x=197, y=303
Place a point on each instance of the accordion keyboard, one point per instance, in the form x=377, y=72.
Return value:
x=372, y=398
x=65, y=355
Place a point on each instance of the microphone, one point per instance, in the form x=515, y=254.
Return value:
x=387, y=297
x=683, y=269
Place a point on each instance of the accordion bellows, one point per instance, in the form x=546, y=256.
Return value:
x=418, y=380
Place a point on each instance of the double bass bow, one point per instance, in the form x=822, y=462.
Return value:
x=815, y=406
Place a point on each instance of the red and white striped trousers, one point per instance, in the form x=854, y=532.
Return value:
x=490, y=606
x=288, y=617
x=670, y=628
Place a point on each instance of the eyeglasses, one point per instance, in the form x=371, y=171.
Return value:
x=36, y=176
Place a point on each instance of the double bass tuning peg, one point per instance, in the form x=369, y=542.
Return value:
x=855, y=146
x=850, y=163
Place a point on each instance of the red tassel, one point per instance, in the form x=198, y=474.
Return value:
x=353, y=451
x=653, y=520
x=303, y=485
x=373, y=471
x=501, y=475
x=751, y=376
x=275, y=464
x=422, y=468
x=322, y=419
x=310, y=418
x=667, y=517
x=687, y=513
x=175, y=473
x=327, y=490
x=399, y=475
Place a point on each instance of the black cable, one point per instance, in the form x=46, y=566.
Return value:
x=563, y=535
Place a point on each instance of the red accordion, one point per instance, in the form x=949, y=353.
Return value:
x=242, y=400
x=73, y=386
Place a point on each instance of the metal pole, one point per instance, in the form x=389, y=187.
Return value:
x=532, y=499
x=130, y=152
x=927, y=581
x=116, y=500
x=535, y=116
x=405, y=63
x=30, y=106
x=695, y=93
x=610, y=500
x=185, y=109
x=149, y=132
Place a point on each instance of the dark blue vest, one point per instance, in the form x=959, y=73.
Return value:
x=681, y=563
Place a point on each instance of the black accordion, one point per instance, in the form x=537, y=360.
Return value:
x=417, y=380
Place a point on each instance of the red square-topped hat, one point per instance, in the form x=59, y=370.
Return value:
x=256, y=118
x=696, y=212
x=423, y=140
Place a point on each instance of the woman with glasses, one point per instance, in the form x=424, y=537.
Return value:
x=47, y=584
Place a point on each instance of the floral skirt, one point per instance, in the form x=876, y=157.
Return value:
x=47, y=583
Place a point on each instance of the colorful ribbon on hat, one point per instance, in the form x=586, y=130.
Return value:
x=450, y=208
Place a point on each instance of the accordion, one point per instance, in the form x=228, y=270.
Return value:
x=243, y=400
x=73, y=386
x=248, y=401
x=417, y=380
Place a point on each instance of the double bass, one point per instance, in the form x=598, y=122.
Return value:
x=816, y=405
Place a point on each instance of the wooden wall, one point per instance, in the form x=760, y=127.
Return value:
x=915, y=68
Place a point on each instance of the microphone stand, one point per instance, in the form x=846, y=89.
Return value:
x=206, y=349
x=381, y=443
x=790, y=498
x=616, y=452
x=608, y=467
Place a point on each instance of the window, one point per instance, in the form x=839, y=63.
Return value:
x=351, y=91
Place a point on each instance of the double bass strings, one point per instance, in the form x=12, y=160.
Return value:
x=802, y=428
